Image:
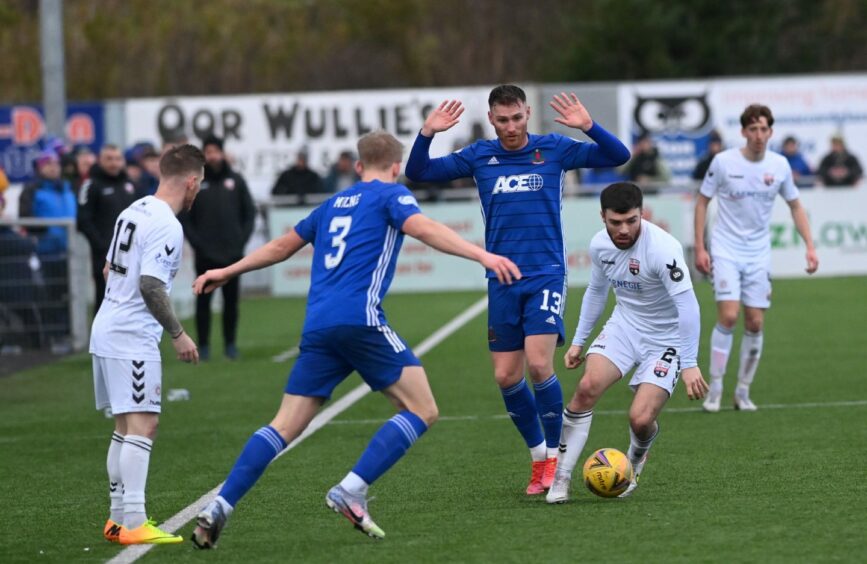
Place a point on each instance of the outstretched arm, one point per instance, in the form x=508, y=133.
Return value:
x=442, y=238
x=274, y=251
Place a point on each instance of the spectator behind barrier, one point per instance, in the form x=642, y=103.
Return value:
x=839, y=167
x=802, y=174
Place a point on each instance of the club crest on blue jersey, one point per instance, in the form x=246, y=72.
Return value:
x=537, y=157
x=634, y=266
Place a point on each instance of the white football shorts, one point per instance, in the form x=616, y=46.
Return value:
x=127, y=386
x=657, y=361
x=746, y=282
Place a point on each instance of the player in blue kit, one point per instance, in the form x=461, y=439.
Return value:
x=356, y=236
x=520, y=180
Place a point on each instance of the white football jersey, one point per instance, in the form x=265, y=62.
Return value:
x=745, y=192
x=148, y=240
x=643, y=278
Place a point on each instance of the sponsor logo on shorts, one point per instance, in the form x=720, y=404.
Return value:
x=661, y=370
x=492, y=336
x=597, y=346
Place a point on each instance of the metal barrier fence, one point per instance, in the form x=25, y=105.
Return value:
x=44, y=276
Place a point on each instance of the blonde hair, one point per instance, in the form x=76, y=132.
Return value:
x=379, y=149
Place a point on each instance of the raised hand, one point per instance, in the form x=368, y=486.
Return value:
x=442, y=118
x=572, y=111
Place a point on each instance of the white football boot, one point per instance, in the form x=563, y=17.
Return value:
x=637, y=468
x=714, y=397
x=559, y=490
x=743, y=401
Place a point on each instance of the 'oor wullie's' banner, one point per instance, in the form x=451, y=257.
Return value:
x=263, y=133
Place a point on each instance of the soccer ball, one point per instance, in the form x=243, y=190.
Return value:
x=608, y=473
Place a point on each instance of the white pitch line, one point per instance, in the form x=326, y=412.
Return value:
x=134, y=552
x=447, y=418
x=288, y=354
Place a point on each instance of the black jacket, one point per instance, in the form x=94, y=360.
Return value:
x=101, y=199
x=222, y=217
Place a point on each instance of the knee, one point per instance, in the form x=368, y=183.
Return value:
x=507, y=378
x=642, y=423
x=540, y=369
x=754, y=323
x=728, y=319
x=145, y=428
x=588, y=392
x=429, y=414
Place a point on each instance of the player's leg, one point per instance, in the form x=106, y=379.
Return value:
x=600, y=373
x=643, y=428
x=539, y=351
x=751, y=352
x=114, y=523
x=231, y=293
x=313, y=378
x=756, y=298
x=653, y=382
x=543, y=304
x=506, y=343
x=386, y=363
x=134, y=391
x=262, y=447
x=726, y=279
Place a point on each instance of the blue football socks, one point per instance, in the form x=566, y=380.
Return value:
x=260, y=450
x=549, y=403
x=388, y=445
x=521, y=406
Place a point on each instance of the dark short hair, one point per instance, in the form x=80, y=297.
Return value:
x=212, y=140
x=506, y=95
x=181, y=161
x=621, y=197
x=754, y=112
x=379, y=149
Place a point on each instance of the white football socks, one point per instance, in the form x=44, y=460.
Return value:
x=637, y=447
x=354, y=484
x=539, y=452
x=751, y=352
x=134, y=459
x=720, y=349
x=576, y=429
x=115, y=484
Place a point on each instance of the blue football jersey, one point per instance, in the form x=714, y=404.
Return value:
x=356, y=236
x=521, y=191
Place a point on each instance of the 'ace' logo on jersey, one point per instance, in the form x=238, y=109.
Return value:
x=519, y=183
x=634, y=266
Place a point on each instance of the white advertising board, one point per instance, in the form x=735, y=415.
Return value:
x=838, y=220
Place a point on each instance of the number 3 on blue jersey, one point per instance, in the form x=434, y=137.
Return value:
x=340, y=223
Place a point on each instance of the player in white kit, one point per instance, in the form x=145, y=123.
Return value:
x=745, y=182
x=142, y=261
x=654, y=328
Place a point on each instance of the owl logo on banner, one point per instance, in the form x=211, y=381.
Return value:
x=680, y=126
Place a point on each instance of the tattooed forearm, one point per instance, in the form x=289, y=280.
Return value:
x=156, y=298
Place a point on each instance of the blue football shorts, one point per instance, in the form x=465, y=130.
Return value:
x=530, y=306
x=329, y=355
